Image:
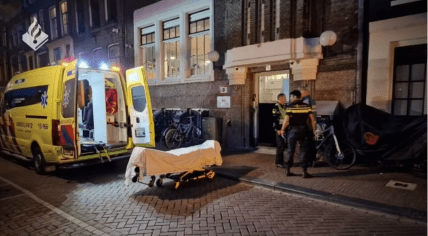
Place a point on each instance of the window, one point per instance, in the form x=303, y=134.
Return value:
x=30, y=63
x=80, y=16
x=23, y=63
x=64, y=17
x=248, y=23
x=24, y=97
x=54, y=23
x=277, y=18
x=43, y=59
x=148, y=56
x=171, y=35
x=409, y=87
x=114, y=54
x=41, y=20
x=139, y=98
x=97, y=54
x=15, y=36
x=14, y=65
x=4, y=36
x=200, y=42
x=261, y=33
x=111, y=12
x=94, y=13
x=68, y=103
x=57, y=55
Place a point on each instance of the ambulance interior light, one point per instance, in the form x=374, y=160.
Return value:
x=104, y=67
x=83, y=65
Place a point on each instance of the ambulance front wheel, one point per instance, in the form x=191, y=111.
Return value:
x=39, y=161
x=159, y=182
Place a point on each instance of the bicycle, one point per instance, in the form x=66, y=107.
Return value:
x=337, y=154
x=179, y=133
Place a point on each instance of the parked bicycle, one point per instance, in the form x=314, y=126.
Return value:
x=337, y=154
x=180, y=133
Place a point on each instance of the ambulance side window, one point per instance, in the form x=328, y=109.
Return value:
x=139, y=98
x=68, y=99
x=25, y=97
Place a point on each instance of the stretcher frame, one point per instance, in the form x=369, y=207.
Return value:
x=179, y=178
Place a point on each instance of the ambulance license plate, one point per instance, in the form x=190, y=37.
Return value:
x=140, y=132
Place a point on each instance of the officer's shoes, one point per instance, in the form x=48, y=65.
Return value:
x=280, y=165
x=306, y=175
x=288, y=172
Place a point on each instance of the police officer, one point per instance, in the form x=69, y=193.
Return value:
x=296, y=118
x=312, y=150
x=278, y=113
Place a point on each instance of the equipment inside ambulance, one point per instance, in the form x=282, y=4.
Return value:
x=82, y=114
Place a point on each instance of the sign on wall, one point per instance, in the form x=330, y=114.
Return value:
x=223, y=101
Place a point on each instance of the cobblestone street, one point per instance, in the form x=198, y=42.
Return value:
x=94, y=200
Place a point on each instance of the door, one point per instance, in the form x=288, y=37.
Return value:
x=68, y=129
x=140, y=108
x=267, y=86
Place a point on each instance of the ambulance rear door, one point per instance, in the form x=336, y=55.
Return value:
x=140, y=108
x=68, y=129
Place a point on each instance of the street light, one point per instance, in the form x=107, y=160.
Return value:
x=328, y=38
x=213, y=56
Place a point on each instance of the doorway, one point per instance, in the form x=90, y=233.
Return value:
x=267, y=86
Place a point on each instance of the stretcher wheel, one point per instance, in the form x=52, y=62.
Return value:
x=159, y=182
x=152, y=181
x=135, y=179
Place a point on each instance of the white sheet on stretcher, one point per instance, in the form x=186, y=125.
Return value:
x=155, y=162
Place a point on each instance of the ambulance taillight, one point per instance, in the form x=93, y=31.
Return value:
x=56, y=140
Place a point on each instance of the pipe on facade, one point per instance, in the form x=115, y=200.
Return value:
x=359, y=80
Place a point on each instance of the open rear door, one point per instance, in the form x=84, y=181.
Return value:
x=68, y=128
x=140, y=107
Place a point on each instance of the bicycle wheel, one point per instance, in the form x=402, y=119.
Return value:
x=342, y=161
x=172, y=139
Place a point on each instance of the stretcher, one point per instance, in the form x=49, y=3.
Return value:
x=180, y=165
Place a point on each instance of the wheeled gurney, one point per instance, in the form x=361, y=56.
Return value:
x=180, y=165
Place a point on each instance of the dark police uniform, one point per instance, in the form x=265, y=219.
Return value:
x=298, y=113
x=278, y=113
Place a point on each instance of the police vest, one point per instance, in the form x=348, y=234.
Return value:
x=282, y=112
x=299, y=114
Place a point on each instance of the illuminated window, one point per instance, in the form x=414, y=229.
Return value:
x=64, y=17
x=54, y=23
x=148, y=56
x=171, y=36
x=200, y=42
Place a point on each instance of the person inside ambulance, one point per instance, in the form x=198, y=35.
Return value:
x=88, y=114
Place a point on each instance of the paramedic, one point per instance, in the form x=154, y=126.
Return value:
x=296, y=118
x=278, y=113
x=311, y=151
x=88, y=113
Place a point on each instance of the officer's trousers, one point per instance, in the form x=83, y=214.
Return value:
x=297, y=133
x=280, y=147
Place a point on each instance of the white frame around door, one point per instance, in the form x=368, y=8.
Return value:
x=256, y=100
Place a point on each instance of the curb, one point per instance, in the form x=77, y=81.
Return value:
x=410, y=213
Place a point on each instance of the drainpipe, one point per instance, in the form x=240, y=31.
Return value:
x=359, y=93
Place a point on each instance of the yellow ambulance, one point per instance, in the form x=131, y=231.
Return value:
x=72, y=113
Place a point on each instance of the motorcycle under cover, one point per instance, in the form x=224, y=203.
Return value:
x=376, y=134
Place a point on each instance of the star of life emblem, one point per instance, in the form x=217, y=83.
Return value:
x=35, y=37
x=44, y=100
x=66, y=98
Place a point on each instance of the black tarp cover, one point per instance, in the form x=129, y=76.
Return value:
x=376, y=134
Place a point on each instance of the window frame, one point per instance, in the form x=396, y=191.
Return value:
x=197, y=34
x=64, y=26
x=116, y=57
x=41, y=19
x=54, y=34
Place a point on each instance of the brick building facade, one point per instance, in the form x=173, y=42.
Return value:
x=254, y=38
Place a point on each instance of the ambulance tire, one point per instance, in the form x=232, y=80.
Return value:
x=39, y=161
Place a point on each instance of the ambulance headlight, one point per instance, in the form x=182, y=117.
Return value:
x=103, y=66
x=83, y=65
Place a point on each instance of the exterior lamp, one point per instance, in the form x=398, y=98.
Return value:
x=213, y=56
x=328, y=38
x=104, y=67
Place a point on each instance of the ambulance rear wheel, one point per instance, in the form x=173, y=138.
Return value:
x=39, y=161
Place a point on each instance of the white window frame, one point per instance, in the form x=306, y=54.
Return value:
x=62, y=19
x=262, y=21
x=248, y=38
x=149, y=30
x=277, y=18
x=202, y=33
x=160, y=15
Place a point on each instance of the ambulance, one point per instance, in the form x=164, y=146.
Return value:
x=70, y=113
